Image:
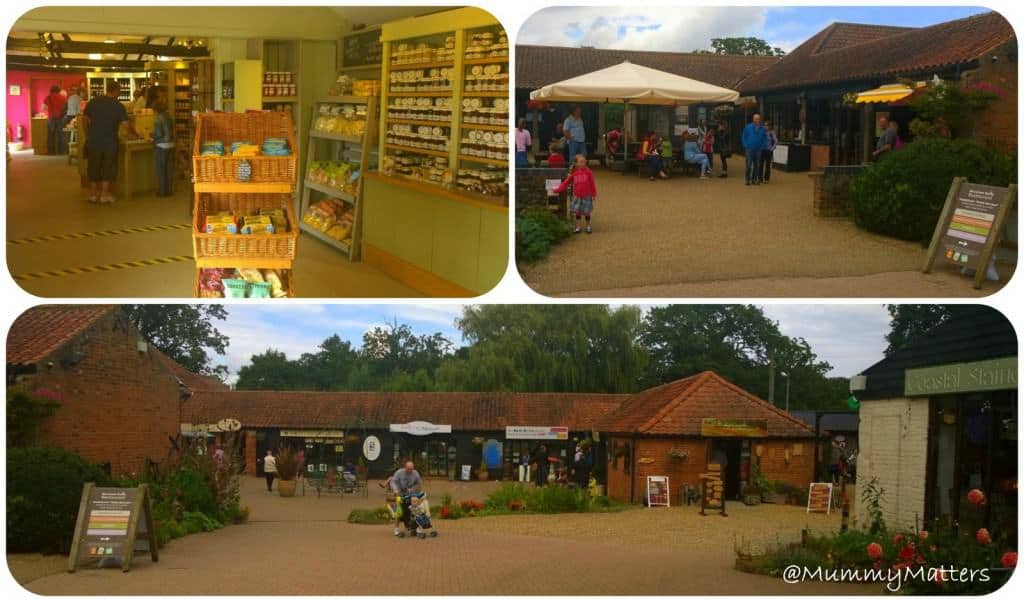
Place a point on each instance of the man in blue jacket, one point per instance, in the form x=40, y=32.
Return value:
x=754, y=140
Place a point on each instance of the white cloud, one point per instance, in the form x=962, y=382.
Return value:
x=850, y=337
x=666, y=28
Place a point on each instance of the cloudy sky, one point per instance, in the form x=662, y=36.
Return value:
x=850, y=337
x=688, y=28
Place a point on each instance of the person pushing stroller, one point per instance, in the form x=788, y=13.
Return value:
x=405, y=482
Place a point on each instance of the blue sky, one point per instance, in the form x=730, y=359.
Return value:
x=687, y=28
x=850, y=337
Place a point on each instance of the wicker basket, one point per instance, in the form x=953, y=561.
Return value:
x=286, y=282
x=243, y=246
x=252, y=127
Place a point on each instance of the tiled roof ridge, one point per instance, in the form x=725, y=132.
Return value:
x=404, y=393
x=653, y=52
x=779, y=411
x=698, y=380
x=42, y=352
x=836, y=25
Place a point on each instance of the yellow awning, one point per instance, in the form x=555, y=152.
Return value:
x=886, y=93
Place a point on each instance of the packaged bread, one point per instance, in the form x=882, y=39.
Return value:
x=274, y=279
x=250, y=275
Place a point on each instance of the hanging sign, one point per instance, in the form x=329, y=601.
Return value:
x=537, y=432
x=715, y=427
x=371, y=448
x=420, y=428
x=969, y=226
x=111, y=520
x=819, y=498
x=312, y=434
x=658, y=492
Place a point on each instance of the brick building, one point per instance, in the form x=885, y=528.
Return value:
x=939, y=418
x=120, y=397
x=649, y=432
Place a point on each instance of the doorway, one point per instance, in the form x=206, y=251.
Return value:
x=729, y=452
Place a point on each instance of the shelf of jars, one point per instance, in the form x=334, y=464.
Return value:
x=446, y=112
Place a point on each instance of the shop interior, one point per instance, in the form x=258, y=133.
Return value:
x=324, y=152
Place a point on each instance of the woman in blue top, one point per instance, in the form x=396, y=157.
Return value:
x=692, y=154
x=770, y=140
x=163, y=136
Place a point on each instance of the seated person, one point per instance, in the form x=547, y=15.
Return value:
x=691, y=154
x=650, y=153
x=556, y=160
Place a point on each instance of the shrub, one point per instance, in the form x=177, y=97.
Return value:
x=370, y=516
x=902, y=195
x=44, y=488
x=537, y=230
x=287, y=464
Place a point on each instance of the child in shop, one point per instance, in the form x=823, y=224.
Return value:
x=163, y=137
x=584, y=191
x=419, y=507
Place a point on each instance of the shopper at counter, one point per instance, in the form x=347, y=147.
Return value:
x=139, y=102
x=56, y=109
x=163, y=137
x=575, y=133
x=103, y=118
x=74, y=106
x=753, y=140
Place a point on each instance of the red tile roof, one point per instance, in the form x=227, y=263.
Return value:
x=195, y=382
x=847, y=52
x=678, y=408
x=538, y=66
x=44, y=329
x=464, y=411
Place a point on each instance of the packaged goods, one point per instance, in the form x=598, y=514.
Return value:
x=250, y=274
x=274, y=279
x=234, y=288
x=259, y=290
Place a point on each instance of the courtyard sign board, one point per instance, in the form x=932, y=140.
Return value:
x=819, y=498
x=421, y=428
x=969, y=226
x=560, y=433
x=110, y=520
x=716, y=427
x=987, y=375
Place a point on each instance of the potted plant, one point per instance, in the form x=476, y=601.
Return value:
x=287, y=470
x=482, y=474
x=751, y=495
x=361, y=466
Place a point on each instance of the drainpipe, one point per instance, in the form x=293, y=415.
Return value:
x=632, y=470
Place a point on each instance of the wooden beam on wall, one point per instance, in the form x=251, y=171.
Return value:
x=59, y=46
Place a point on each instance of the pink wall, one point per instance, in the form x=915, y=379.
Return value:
x=18, y=109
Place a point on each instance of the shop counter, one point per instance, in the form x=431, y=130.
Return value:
x=38, y=134
x=434, y=240
x=136, y=168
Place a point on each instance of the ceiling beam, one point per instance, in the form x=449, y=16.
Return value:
x=66, y=37
x=32, y=62
x=58, y=46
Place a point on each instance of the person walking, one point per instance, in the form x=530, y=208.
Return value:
x=722, y=147
x=540, y=458
x=103, y=117
x=753, y=140
x=523, y=142
x=575, y=133
x=611, y=146
x=56, y=109
x=270, y=469
x=770, y=140
x=404, y=482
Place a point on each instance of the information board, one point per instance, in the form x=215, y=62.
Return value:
x=969, y=226
x=658, y=492
x=111, y=520
x=819, y=498
x=467, y=471
x=362, y=49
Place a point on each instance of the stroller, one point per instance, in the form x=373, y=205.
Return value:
x=420, y=521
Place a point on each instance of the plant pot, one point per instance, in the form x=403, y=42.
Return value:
x=286, y=488
x=483, y=475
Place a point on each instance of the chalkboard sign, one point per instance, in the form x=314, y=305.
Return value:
x=111, y=520
x=819, y=498
x=658, y=492
x=362, y=49
x=969, y=227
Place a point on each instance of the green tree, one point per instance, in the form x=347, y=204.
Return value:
x=272, y=371
x=330, y=368
x=742, y=46
x=908, y=322
x=186, y=333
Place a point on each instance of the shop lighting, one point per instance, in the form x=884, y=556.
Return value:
x=108, y=41
x=95, y=57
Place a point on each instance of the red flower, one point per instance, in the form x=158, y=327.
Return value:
x=922, y=535
x=1009, y=560
x=984, y=538
x=446, y=512
x=907, y=553
x=515, y=505
x=897, y=539
x=976, y=497
x=919, y=559
x=875, y=551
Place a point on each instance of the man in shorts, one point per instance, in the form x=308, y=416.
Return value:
x=103, y=117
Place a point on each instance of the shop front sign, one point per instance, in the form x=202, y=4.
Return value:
x=312, y=434
x=371, y=448
x=987, y=375
x=227, y=425
x=421, y=428
x=717, y=427
x=554, y=433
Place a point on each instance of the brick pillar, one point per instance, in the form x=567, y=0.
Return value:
x=250, y=453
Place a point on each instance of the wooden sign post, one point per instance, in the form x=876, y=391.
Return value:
x=658, y=492
x=819, y=498
x=110, y=522
x=713, y=490
x=969, y=226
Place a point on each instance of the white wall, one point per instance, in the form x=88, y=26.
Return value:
x=894, y=449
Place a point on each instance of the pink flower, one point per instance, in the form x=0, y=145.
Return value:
x=922, y=535
x=907, y=553
x=875, y=551
x=976, y=497
x=1009, y=560
x=897, y=539
x=983, y=536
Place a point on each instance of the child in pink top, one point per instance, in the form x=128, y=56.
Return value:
x=584, y=191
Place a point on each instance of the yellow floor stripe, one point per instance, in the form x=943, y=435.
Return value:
x=98, y=234
x=124, y=265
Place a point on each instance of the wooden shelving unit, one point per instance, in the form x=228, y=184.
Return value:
x=330, y=146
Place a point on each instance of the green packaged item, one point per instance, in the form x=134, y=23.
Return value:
x=234, y=288
x=259, y=290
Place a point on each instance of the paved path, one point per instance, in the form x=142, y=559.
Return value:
x=299, y=546
x=692, y=238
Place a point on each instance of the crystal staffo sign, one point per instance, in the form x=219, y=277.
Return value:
x=988, y=375
x=420, y=428
x=538, y=433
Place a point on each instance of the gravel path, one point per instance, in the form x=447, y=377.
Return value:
x=691, y=237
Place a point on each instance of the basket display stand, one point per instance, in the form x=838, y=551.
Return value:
x=216, y=188
x=337, y=144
